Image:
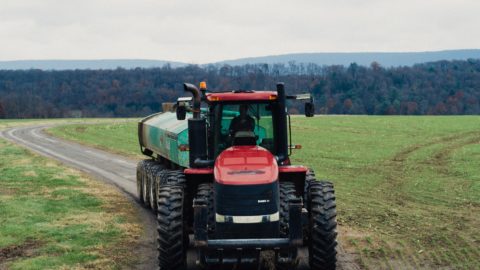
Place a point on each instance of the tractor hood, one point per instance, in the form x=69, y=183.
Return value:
x=245, y=165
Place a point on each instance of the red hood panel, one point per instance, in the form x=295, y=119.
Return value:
x=245, y=165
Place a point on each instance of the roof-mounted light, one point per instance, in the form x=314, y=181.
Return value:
x=213, y=98
x=203, y=85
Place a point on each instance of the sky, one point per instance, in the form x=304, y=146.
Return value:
x=197, y=31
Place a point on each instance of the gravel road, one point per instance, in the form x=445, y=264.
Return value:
x=119, y=171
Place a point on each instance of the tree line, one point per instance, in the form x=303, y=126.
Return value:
x=437, y=88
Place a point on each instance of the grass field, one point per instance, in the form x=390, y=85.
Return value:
x=408, y=188
x=57, y=218
x=117, y=137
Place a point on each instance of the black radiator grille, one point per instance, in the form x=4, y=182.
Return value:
x=246, y=200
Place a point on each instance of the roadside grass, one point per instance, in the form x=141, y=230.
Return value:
x=57, y=218
x=408, y=188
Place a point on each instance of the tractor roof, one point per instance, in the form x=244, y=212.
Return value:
x=242, y=95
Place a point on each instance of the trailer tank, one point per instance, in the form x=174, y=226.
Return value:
x=164, y=135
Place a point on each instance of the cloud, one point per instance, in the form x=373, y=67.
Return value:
x=205, y=31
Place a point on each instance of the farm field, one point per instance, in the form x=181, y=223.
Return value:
x=57, y=218
x=408, y=188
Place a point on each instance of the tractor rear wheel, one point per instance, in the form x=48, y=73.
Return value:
x=172, y=231
x=322, y=225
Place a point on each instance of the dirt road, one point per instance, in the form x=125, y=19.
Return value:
x=119, y=171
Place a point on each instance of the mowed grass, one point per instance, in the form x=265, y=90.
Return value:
x=408, y=188
x=55, y=218
x=115, y=137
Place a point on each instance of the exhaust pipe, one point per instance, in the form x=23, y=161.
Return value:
x=197, y=132
x=196, y=98
x=282, y=138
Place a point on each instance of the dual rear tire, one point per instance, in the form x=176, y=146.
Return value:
x=162, y=190
x=320, y=232
x=150, y=176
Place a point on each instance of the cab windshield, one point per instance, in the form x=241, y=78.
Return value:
x=252, y=121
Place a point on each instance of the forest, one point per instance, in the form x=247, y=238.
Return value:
x=436, y=88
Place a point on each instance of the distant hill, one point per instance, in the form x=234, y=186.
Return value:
x=85, y=64
x=386, y=59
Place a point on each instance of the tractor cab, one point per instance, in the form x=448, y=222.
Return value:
x=242, y=123
x=242, y=117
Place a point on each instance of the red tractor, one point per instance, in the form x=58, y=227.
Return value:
x=229, y=188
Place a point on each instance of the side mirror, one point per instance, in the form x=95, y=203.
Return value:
x=181, y=112
x=309, y=109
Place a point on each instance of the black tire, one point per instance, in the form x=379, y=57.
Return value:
x=287, y=192
x=174, y=177
x=309, y=178
x=156, y=174
x=205, y=192
x=172, y=234
x=322, y=243
x=177, y=178
x=146, y=183
x=141, y=172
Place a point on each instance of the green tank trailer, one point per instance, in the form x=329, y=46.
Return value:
x=163, y=134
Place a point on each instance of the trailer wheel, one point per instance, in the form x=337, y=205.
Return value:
x=322, y=227
x=156, y=174
x=172, y=234
x=286, y=259
x=146, y=182
x=141, y=172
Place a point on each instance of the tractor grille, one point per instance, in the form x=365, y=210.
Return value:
x=247, y=200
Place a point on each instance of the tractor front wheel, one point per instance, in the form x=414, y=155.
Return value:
x=322, y=225
x=286, y=258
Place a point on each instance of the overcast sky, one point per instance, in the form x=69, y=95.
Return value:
x=205, y=31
